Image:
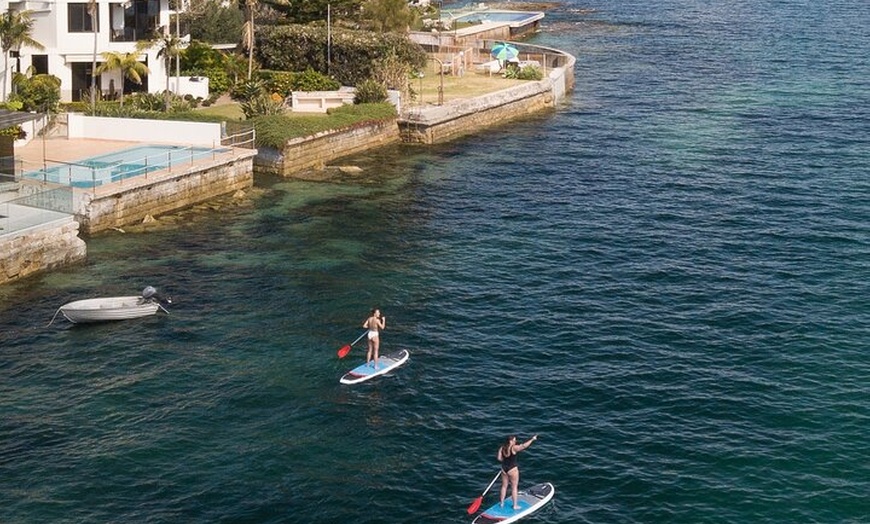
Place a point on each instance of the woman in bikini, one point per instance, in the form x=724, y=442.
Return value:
x=510, y=470
x=374, y=323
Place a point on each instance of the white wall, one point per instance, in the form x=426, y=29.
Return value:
x=139, y=130
x=197, y=86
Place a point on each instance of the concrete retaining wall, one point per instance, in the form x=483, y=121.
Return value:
x=314, y=152
x=110, y=207
x=40, y=248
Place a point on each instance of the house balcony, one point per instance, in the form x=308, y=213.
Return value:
x=132, y=34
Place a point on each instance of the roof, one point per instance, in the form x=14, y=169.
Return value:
x=14, y=118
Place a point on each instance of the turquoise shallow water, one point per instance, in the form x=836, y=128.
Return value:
x=666, y=280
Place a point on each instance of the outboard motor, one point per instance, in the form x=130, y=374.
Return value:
x=151, y=293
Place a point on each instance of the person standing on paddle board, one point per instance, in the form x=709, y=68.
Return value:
x=510, y=470
x=374, y=324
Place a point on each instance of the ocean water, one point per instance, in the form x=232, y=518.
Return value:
x=666, y=279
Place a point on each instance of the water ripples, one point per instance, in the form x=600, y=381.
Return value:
x=666, y=280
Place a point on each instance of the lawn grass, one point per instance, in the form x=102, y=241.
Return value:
x=275, y=130
x=471, y=84
x=229, y=111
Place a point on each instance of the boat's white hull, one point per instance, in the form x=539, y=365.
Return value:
x=111, y=308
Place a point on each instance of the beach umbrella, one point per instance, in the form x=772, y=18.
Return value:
x=504, y=51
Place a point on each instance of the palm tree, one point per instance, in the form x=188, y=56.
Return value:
x=92, y=12
x=16, y=30
x=170, y=47
x=235, y=65
x=128, y=63
x=248, y=33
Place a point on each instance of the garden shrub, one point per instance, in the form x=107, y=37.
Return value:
x=75, y=107
x=280, y=82
x=14, y=131
x=370, y=92
x=354, y=53
x=12, y=105
x=247, y=89
x=145, y=101
x=199, y=57
x=526, y=73
x=37, y=93
x=218, y=80
x=262, y=104
x=311, y=80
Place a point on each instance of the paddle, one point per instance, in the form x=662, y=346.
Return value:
x=476, y=504
x=345, y=349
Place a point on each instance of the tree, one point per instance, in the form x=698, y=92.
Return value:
x=93, y=10
x=170, y=47
x=128, y=63
x=392, y=16
x=214, y=22
x=248, y=35
x=315, y=10
x=16, y=30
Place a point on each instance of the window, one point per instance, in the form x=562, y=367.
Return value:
x=40, y=64
x=79, y=19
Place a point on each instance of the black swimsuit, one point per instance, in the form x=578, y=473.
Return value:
x=508, y=462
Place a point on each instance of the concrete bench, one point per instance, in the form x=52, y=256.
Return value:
x=320, y=101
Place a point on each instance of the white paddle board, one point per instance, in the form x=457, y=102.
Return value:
x=386, y=363
x=529, y=500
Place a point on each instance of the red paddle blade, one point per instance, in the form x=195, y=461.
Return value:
x=344, y=351
x=475, y=505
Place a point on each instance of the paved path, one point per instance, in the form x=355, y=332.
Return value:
x=65, y=150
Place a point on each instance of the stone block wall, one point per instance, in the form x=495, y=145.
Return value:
x=40, y=248
x=116, y=207
x=444, y=123
x=314, y=152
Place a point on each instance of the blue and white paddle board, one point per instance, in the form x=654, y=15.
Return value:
x=386, y=363
x=529, y=500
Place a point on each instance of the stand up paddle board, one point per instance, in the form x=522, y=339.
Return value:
x=529, y=500
x=386, y=363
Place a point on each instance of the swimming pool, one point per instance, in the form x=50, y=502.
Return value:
x=118, y=165
x=499, y=16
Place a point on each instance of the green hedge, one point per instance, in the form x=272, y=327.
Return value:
x=276, y=130
x=285, y=82
x=296, y=48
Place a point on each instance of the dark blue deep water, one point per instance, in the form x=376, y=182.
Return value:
x=666, y=279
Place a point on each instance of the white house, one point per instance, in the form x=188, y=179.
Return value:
x=64, y=27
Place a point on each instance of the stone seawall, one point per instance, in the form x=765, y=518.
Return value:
x=313, y=152
x=451, y=121
x=434, y=124
x=111, y=207
x=40, y=248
